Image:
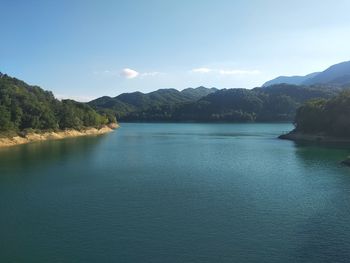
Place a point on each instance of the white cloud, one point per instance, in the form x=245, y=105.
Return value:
x=239, y=72
x=225, y=71
x=129, y=73
x=201, y=70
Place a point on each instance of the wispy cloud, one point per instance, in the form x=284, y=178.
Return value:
x=239, y=72
x=201, y=70
x=225, y=71
x=129, y=73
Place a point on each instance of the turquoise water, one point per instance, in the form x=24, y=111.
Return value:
x=175, y=193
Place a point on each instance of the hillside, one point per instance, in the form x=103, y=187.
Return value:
x=24, y=107
x=323, y=121
x=328, y=117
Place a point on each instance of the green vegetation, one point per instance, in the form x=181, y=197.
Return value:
x=133, y=105
x=274, y=103
x=24, y=107
x=327, y=117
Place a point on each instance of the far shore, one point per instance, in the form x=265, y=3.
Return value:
x=55, y=135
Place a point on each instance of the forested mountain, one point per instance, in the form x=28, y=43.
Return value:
x=23, y=106
x=274, y=103
x=337, y=75
x=126, y=103
x=197, y=93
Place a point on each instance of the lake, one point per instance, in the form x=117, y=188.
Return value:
x=175, y=193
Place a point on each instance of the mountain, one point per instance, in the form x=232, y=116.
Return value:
x=197, y=93
x=274, y=103
x=138, y=101
x=23, y=107
x=338, y=75
x=294, y=80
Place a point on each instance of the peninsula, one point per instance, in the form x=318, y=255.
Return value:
x=323, y=120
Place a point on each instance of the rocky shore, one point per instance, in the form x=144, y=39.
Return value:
x=56, y=135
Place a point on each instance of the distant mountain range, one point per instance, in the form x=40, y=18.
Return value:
x=23, y=106
x=274, y=103
x=277, y=100
x=336, y=75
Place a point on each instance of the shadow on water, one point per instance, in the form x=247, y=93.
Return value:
x=325, y=234
x=309, y=152
x=41, y=154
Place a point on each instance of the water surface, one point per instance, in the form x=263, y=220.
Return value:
x=175, y=193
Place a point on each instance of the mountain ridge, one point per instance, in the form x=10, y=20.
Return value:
x=293, y=80
x=129, y=102
x=335, y=75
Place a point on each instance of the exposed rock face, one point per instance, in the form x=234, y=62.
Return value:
x=35, y=137
x=113, y=125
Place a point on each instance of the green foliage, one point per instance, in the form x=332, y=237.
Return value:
x=25, y=107
x=309, y=117
x=330, y=117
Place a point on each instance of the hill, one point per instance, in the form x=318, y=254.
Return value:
x=328, y=117
x=126, y=103
x=24, y=107
x=323, y=120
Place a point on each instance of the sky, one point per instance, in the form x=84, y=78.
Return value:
x=84, y=49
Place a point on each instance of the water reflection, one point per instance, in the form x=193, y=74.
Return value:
x=316, y=153
x=324, y=235
x=41, y=154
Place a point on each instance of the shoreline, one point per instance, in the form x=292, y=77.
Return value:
x=320, y=138
x=316, y=138
x=55, y=135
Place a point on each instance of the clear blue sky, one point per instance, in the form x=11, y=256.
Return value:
x=85, y=49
